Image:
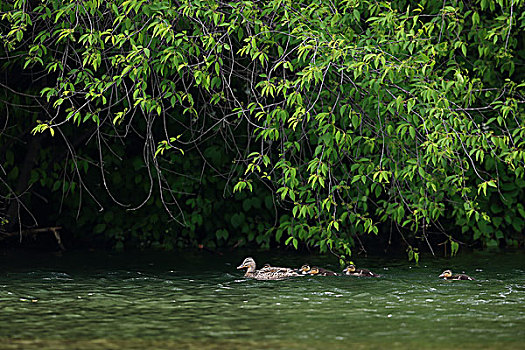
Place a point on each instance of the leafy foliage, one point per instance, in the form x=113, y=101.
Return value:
x=347, y=119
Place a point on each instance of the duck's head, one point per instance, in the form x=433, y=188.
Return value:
x=446, y=274
x=349, y=269
x=305, y=269
x=248, y=263
x=314, y=270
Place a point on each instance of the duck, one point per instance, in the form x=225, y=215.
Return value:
x=267, y=272
x=266, y=266
x=305, y=269
x=447, y=274
x=351, y=270
x=317, y=271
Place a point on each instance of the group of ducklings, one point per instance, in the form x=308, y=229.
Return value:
x=277, y=273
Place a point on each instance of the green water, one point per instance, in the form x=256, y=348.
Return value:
x=174, y=301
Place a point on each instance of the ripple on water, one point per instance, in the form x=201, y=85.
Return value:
x=174, y=304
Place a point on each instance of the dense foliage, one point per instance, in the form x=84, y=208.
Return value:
x=320, y=123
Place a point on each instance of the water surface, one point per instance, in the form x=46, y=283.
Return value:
x=200, y=301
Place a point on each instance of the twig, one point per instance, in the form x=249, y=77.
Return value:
x=53, y=229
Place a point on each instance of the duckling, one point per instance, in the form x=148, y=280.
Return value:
x=305, y=269
x=350, y=270
x=318, y=271
x=447, y=274
x=267, y=273
x=266, y=266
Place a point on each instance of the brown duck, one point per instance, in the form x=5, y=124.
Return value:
x=319, y=271
x=316, y=271
x=267, y=272
x=447, y=274
x=351, y=270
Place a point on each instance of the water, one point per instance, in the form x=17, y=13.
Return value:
x=200, y=301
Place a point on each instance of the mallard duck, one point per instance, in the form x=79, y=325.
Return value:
x=319, y=271
x=350, y=270
x=266, y=266
x=305, y=269
x=266, y=273
x=447, y=274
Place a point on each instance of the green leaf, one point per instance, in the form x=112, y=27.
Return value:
x=355, y=120
x=357, y=15
x=412, y=132
x=99, y=228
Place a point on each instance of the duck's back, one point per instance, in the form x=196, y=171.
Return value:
x=463, y=277
x=273, y=274
x=325, y=272
x=366, y=273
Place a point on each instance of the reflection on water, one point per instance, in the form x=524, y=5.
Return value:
x=167, y=301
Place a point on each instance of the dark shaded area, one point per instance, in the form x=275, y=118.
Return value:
x=147, y=145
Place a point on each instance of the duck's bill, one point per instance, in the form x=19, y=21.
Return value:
x=442, y=275
x=242, y=266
